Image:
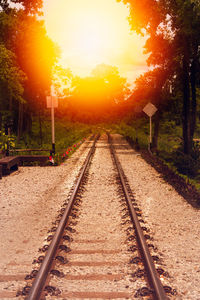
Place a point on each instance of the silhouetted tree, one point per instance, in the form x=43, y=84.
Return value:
x=23, y=36
x=175, y=25
x=97, y=97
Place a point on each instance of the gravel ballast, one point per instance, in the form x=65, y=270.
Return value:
x=174, y=224
x=29, y=201
x=99, y=260
x=31, y=197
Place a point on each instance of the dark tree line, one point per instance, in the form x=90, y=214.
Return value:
x=98, y=97
x=27, y=56
x=173, y=45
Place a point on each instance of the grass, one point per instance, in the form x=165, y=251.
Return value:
x=66, y=134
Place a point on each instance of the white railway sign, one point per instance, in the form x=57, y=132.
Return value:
x=150, y=109
x=52, y=101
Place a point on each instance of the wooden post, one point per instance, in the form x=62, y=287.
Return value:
x=52, y=102
x=150, y=137
x=53, y=129
x=150, y=110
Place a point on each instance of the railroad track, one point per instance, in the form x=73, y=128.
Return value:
x=98, y=248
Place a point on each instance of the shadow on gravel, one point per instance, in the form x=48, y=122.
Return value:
x=186, y=190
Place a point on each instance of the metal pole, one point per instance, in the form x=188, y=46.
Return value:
x=53, y=128
x=150, y=135
x=150, y=138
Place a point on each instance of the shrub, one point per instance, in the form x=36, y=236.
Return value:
x=186, y=164
x=6, y=142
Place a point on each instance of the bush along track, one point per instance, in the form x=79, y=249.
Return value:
x=179, y=183
x=58, y=158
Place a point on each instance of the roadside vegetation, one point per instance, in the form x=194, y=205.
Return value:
x=169, y=149
x=69, y=136
x=66, y=134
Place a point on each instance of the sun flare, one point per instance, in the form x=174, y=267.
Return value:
x=91, y=32
x=90, y=39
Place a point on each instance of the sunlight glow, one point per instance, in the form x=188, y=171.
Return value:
x=91, y=32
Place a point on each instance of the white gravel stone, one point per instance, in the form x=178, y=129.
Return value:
x=174, y=224
x=104, y=239
x=29, y=201
x=31, y=197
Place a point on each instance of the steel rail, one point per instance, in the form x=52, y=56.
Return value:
x=39, y=282
x=154, y=280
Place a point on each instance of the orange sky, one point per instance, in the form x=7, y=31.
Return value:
x=91, y=32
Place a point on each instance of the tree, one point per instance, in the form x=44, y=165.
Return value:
x=30, y=6
x=62, y=80
x=11, y=81
x=153, y=86
x=96, y=98
x=178, y=21
x=35, y=54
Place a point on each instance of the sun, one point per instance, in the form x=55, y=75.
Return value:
x=89, y=39
x=92, y=32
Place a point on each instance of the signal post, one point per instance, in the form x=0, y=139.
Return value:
x=52, y=103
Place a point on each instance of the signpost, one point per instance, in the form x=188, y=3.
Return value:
x=52, y=102
x=150, y=110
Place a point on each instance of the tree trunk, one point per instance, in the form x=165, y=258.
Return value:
x=186, y=105
x=10, y=121
x=194, y=100
x=0, y=122
x=157, y=118
x=10, y=103
x=40, y=125
x=27, y=120
x=20, y=121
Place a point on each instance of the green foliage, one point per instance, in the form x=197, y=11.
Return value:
x=11, y=77
x=58, y=158
x=36, y=55
x=173, y=47
x=27, y=56
x=170, y=146
x=68, y=138
x=66, y=134
x=6, y=142
x=186, y=164
x=62, y=80
x=138, y=131
x=96, y=98
x=29, y=6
